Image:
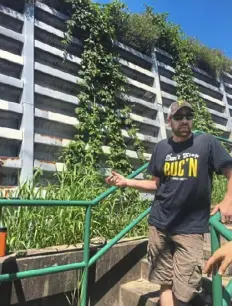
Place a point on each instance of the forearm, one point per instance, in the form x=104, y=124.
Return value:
x=142, y=184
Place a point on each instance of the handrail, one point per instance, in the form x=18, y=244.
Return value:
x=216, y=228
x=87, y=262
x=118, y=237
x=215, y=222
x=220, y=297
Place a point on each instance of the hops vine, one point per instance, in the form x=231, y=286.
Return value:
x=187, y=88
x=100, y=114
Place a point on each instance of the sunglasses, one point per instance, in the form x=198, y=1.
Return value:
x=179, y=117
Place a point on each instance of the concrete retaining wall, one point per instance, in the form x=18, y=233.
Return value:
x=38, y=91
x=120, y=265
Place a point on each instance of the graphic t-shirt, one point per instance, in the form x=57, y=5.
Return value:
x=182, y=201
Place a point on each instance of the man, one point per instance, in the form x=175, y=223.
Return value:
x=181, y=169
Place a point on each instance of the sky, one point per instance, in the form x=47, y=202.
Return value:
x=209, y=21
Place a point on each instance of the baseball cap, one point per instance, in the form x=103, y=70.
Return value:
x=175, y=106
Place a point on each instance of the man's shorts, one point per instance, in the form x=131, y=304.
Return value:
x=176, y=260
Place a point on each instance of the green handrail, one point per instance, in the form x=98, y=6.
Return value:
x=114, y=240
x=220, y=297
x=87, y=262
x=217, y=228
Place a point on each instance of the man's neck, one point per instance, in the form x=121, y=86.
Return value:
x=180, y=139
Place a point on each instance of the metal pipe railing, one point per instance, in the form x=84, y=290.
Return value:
x=220, y=297
x=87, y=262
x=217, y=228
x=114, y=240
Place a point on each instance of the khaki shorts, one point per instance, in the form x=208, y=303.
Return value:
x=176, y=260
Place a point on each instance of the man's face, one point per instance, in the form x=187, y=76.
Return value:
x=181, y=122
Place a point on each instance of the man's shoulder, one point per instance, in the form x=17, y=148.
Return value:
x=206, y=138
x=163, y=142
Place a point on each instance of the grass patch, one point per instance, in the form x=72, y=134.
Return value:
x=39, y=227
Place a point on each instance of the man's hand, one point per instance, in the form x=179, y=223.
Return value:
x=116, y=179
x=119, y=180
x=225, y=208
x=224, y=255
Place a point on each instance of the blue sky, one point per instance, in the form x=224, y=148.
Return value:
x=209, y=21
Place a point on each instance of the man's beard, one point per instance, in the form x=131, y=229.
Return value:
x=182, y=131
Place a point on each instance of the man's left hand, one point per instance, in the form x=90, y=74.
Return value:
x=225, y=208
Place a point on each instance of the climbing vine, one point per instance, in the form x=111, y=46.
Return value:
x=148, y=29
x=101, y=114
x=187, y=88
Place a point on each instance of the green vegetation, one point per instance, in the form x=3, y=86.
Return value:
x=40, y=227
x=148, y=30
x=101, y=114
x=219, y=189
x=143, y=31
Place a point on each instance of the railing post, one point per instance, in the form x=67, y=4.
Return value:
x=227, y=294
x=227, y=108
x=27, y=99
x=158, y=99
x=217, y=279
x=84, y=286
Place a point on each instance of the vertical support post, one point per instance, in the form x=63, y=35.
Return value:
x=158, y=100
x=227, y=294
x=27, y=99
x=227, y=109
x=217, y=279
x=84, y=287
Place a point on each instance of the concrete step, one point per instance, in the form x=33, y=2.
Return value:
x=139, y=293
x=144, y=293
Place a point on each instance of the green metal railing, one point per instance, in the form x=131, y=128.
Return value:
x=87, y=261
x=220, y=297
x=217, y=228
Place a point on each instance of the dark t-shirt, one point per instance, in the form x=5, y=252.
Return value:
x=182, y=201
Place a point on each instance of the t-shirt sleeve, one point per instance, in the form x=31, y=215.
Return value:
x=219, y=157
x=152, y=166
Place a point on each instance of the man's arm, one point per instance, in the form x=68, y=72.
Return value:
x=225, y=207
x=144, y=184
x=119, y=180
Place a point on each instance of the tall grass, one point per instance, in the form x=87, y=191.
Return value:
x=39, y=227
